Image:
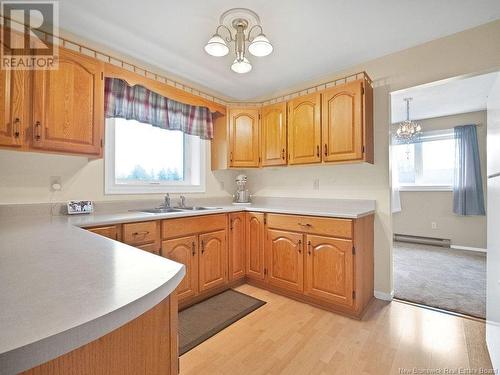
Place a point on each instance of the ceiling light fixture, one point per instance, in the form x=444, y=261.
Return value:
x=243, y=21
x=408, y=130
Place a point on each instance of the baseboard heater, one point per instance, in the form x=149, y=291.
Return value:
x=443, y=242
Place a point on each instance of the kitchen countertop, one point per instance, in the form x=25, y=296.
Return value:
x=63, y=287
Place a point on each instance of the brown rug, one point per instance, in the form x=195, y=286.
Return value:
x=203, y=320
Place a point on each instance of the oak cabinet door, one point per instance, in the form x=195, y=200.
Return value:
x=13, y=105
x=68, y=105
x=342, y=122
x=236, y=246
x=273, y=135
x=184, y=250
x=255, y=245
x=213, y=260
x=329, y=269
x=244, y=137
x=285, y=260
x=304, y=129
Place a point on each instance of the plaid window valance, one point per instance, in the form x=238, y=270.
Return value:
x=143, y=105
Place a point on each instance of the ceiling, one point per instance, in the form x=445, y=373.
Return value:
x=443, y=98
x=311, y=39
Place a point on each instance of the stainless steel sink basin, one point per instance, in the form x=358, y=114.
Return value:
x=197, y=208
x=159, y=210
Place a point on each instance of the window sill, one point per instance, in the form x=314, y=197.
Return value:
x=425, y=188
x=111, y=190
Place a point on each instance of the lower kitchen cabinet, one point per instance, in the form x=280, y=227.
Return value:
x=184, y=250
x=255, y=245
x=324, y=261
x=329, y=269
x=212, y=260
x=200, y=243
x=284, y=259
x=236, y=246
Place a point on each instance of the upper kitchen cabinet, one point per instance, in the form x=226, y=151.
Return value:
x=13, y=107
x=304, y=129
x=243, y=137
x=68, y=105
x=273, y=135
x=346, y=127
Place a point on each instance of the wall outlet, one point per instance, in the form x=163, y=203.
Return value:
x=316, y=184
x=434, y=225
x=55, y=183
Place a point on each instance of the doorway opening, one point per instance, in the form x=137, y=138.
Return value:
x=439, y=190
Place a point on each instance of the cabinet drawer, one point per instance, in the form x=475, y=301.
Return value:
x=111, y=231
x=311, y=224
x=141, y=233
x=172, y=228
x=150, y=248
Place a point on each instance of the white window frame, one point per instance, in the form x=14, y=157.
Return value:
x=433, y=135
x=111, y=187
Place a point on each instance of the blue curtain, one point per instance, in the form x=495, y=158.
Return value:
x=468, y=196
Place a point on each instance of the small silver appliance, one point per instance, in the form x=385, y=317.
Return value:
x=242, y=195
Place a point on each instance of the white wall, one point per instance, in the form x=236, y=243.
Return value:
x=420, y=208
x=493, y=260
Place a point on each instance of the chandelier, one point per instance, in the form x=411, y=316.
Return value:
x=408, y=130
x=243, y=22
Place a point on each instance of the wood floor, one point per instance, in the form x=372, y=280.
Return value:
x=289, y=337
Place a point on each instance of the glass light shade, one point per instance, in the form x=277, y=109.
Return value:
x=216, y=46
x=241, y=67
x=260, y=46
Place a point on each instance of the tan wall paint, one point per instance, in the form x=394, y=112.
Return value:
x=420, y=208
x=471, y=51
x=24, y=177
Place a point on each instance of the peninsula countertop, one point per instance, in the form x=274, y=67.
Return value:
x=63, y=286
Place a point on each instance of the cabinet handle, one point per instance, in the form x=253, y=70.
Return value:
x=231, y=157
x=141, y=233
x=326, y=149
x=299, y=245
x=16, y=127
x=305, y=225
x=193, y=247
x=37, y=131
x=283, y=154
x=317, y=151
x=202, y=246
x=309, y=247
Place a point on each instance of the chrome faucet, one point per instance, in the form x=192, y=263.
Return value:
x=166, y=203
x=183, y=201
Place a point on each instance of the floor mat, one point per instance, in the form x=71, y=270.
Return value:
x=203, y=320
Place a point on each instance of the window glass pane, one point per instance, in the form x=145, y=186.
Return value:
x=144, y=153
x=430, y=162
x=405, y=160
x=438, y=160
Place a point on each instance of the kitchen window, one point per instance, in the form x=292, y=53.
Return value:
x=141, y=158
x=428, y=164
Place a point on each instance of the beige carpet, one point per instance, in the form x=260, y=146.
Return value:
x=203, y=320
x=448, y=279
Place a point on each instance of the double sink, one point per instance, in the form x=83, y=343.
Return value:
x=164, y=210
